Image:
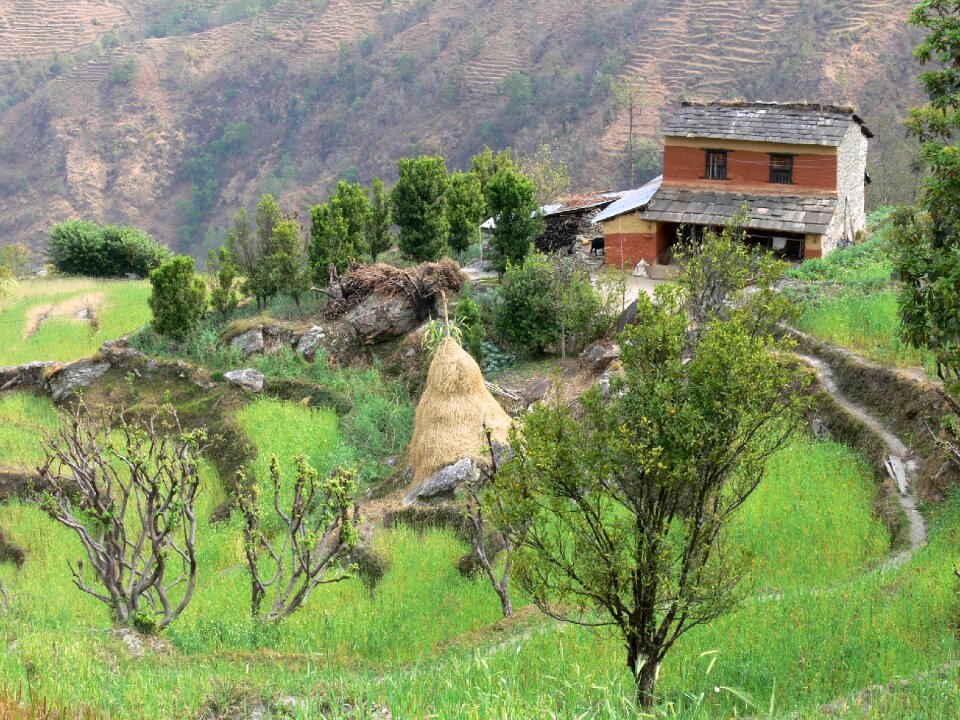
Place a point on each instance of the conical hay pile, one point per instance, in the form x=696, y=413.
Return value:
x=452, y=412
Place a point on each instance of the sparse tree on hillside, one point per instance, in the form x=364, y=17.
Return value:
x=419, y=207
x=6, y=281
x=628, y=501
x=223, y=280
x=548, y=172
x=627, y=95
x=466, y=209
x=512, y=199
x=317, y=529
x=128, y=491
x=244, y=249
x=179, y=298
x=379, y=237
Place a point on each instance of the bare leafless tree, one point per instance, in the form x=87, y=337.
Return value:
x=317, y=530
x=127, y=488
x=488, y=540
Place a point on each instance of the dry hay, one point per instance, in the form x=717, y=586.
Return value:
x=39, y=314
x=452, y=412
x=420, y=285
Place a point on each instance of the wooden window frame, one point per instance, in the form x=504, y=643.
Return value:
x=781, y=175
x=710, y=153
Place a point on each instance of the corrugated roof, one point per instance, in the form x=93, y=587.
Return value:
x=792, y=123
x=570, y=203
x=794, y=214
x=630, y=200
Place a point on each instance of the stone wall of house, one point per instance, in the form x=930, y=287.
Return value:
x=850, y=217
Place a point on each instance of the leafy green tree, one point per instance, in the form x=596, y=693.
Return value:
x=419, y=207
x=286, y=262
x=338, y=230
x=628, y=500
x=519, y=91
x=16, y=258
x=485, y=164
x=512, y=200
x=79, y=247
x=256, y=250
x=545, y=305
x=7, y=281
x=466, y=209
x=179, y=298
x=379, y=237
x=929, y=237
x=223, y=282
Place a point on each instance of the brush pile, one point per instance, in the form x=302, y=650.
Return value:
x=420, y=286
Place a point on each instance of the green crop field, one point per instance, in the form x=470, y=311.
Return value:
x=50, y=319
x=820, y=623
x=22, y=418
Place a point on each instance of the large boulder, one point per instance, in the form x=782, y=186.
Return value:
x=247, y=379
x=65, y=382
x=379, y=318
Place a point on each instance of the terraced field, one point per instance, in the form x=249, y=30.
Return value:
x=68, y=319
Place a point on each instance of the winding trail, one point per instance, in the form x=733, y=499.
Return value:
x=896, y=446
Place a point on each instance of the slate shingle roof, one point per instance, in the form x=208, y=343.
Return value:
x=793, y=214
x=793, y=123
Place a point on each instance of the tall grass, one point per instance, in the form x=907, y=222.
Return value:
x=425, y=642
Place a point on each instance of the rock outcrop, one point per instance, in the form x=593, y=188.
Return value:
x=247, y=379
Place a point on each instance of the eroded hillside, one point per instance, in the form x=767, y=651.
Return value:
x=130, y=111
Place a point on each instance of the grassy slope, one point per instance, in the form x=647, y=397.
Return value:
x=423, y=642
x=64, y=337
x=22, y=416
x=851, y=300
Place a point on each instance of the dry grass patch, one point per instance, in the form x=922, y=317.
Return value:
x=38, y=314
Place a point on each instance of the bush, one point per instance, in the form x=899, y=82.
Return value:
x=79, y=247
x=179, y=298
x=546, y=305
x=468, y=317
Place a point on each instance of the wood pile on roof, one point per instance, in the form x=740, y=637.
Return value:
x=794, y=214
x=792, y=123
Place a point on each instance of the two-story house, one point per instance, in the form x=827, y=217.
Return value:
x=799, y=169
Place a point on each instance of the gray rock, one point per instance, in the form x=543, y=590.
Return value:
x=445, y=480
x=819, y=429
x=627, y=317
x=311, y=341
x=80, y=374
x=536, y=392
x=249, y=342
x=246, y=379
x=29, y=375
x=598, y=357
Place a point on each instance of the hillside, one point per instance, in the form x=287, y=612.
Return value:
x=172, y=115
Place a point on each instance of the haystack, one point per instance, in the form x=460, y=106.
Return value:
x=453, y=410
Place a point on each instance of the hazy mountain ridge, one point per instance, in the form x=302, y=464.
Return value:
x=174, y=133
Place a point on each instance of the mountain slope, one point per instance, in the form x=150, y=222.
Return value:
x=128, y=111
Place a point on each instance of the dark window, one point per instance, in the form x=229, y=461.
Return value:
x=781, y=169
x=716, y=164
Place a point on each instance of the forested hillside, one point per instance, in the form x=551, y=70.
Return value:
x=171, y=115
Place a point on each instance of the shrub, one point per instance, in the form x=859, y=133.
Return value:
x=80, y=247
x=467, y=317
x=546, y=305
x=179, y=298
